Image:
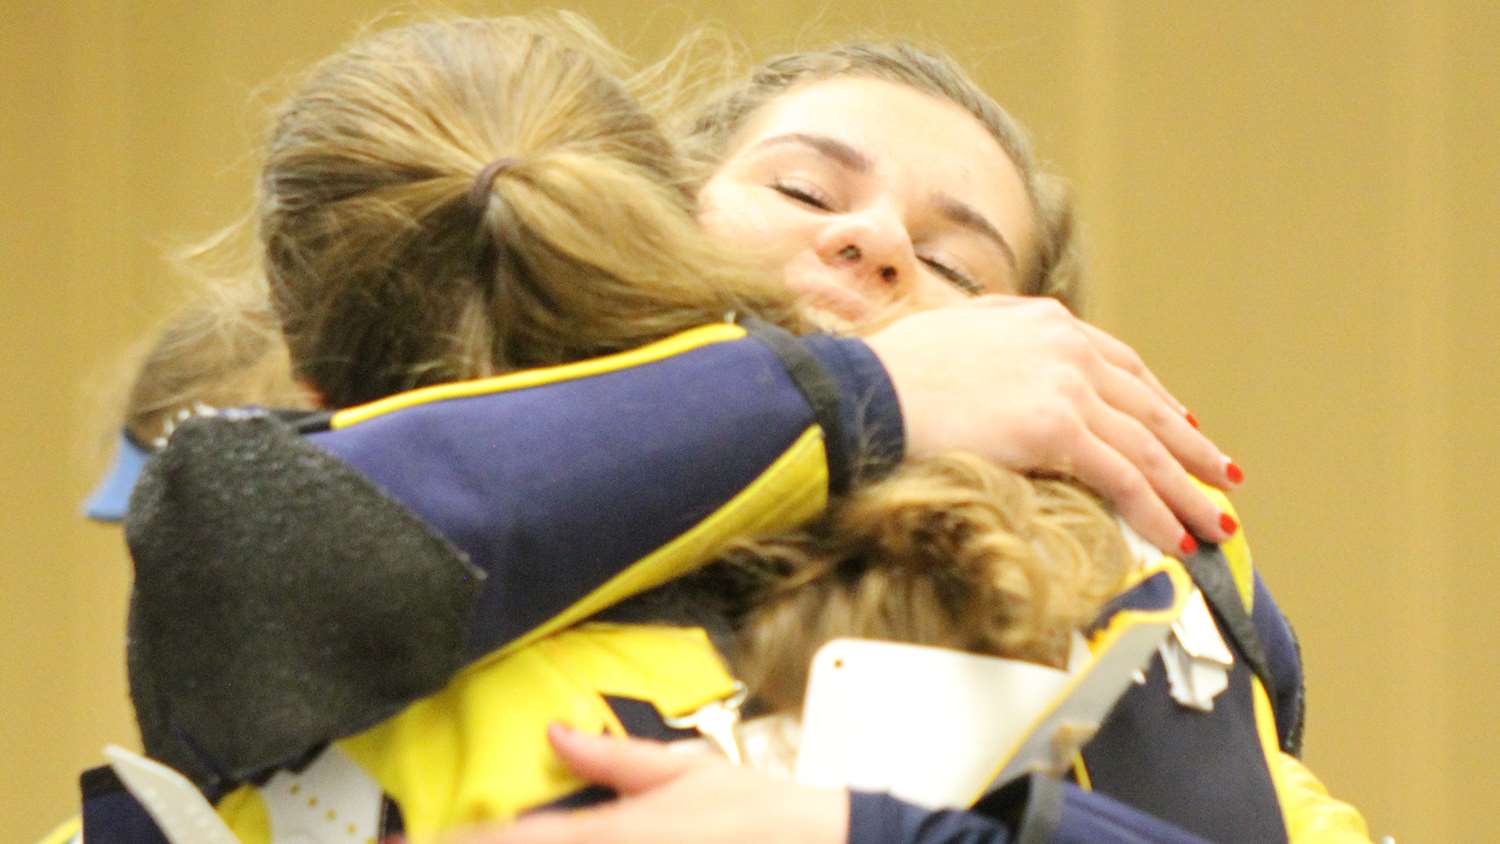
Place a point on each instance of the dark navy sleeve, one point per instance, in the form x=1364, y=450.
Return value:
x=877, y=818
x=1038, y=809
x=1086, y=817
x=869, y=413
x=1284, y=658
x=111, y=813
x=554, y=489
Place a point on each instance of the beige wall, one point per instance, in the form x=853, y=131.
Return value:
x=1293, y=209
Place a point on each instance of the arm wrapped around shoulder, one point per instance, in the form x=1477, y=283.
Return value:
x=253, y=637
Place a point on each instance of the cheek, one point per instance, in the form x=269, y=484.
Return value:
x=747, y=220
x=933, y=293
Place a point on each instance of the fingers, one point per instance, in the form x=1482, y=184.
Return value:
x=1104, y=469
x=1166, y=417
x=1062, y=396
x=1186, y=444
x=1166, y=477
x=1124, y=381
x=1126, y=358
x=627, y=765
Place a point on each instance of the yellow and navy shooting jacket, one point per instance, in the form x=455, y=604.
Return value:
x=569, y=489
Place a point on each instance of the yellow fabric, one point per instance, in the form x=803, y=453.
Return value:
x=245, y=814
x=1081, y=773
x=1309, y=812
x=675, y=345
x=790, y=491
x=64, y=831
x=477, y=750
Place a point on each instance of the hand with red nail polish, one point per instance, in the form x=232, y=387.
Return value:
x=1235, y=475
x=1187, y=545
x=1039, y=390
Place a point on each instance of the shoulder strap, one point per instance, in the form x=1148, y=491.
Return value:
x=1210, y=571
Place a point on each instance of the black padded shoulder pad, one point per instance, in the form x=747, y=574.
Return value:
x=250, y=646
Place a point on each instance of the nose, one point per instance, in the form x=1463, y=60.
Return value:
x=872, y=247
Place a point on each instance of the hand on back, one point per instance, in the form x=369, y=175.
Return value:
x=675, y=798
x=1023, y=382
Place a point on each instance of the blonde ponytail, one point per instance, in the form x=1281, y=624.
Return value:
x=386, y=272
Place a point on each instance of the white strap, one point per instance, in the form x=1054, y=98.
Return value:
x=180, y=810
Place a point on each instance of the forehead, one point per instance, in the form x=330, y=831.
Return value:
x=918, y=141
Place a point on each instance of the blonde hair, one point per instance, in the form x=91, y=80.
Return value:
x=220, y=349
x=950, y=551
x=713, y=125
x=387, y=277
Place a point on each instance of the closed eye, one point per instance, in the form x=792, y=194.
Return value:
x=805, y=194
x=955, y=277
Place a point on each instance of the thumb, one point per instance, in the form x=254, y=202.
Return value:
x=627, y=765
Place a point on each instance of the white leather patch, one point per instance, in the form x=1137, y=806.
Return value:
x=331, y=801
x=929, y=725
x=1196, y=658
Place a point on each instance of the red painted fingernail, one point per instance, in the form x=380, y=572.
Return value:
x=1228, y=523
x=1236, y=476
x=1192, y=420
x=1187, y=544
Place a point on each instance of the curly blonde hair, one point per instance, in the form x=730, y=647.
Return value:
x=950, y=551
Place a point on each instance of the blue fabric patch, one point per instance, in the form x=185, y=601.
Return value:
x=110, y=499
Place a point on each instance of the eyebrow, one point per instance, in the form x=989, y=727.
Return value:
x=964, y=215
x=842, y=153
x=847, y=156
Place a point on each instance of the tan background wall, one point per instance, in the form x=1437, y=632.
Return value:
x=1293, y=209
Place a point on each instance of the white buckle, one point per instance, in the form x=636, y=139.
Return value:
x=716, y=722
